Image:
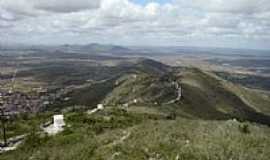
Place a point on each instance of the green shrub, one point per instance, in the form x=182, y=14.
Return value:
x=244, y=128
x=171, y=116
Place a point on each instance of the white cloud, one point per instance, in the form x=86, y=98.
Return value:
x=66, y=5
x=34, y=7
x=232, y=6
x=126, y=22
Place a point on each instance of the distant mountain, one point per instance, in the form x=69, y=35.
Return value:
x=151, y=66
x=95, y=48
x=118, y=50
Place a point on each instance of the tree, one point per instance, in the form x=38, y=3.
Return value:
x=3, y=120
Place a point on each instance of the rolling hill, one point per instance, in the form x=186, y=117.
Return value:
x=214, y=119
x=150, y=83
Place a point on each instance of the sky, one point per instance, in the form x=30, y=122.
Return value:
x=143, y=2
x=206, y=23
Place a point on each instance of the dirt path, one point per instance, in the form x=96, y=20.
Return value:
x=13, y=143
x=178, y=89
x=118, y=141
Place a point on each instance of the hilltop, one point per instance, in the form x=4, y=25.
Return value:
x=143, y=116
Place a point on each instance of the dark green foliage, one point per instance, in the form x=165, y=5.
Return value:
x=33, y=141
x=147, y=89
x=244, y=128
x=258, y=82
x=23, y=124
x=171, y=116
x=208, y=98
x=151, y=67
x=115, y=118
x=89, y=96
x=69, y=73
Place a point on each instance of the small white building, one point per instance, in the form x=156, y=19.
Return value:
x=58, y=121
x=57, y=126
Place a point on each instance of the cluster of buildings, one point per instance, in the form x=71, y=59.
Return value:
x=19, y=102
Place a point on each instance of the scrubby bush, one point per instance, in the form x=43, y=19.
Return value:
x=244, y=128
x=171, y=116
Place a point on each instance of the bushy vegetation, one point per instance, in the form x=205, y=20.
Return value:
x=209, y=98
x=185, y=139
x=24, y=124
x=197, y=127
x=81, y=131
x=133, y=136
x=146, y=89
x=258, y=82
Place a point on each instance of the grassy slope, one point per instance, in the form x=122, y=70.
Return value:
x=25, y=124
x=204, y=97
x=143, y=87
x=191, y=140
x=146, y=135
x=259, y=100
x=210, y=98
x=151, y=134
x=250, y=81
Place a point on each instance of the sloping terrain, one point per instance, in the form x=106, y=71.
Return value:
x=117, y=134
x=212, y=120
x=141, y=81
x=204, y=96
x=141, y=88
x=117, y=82
x=251, y=81
x=257, y=99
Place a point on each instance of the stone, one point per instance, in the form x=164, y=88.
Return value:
x=100, y=107
x=126, y=105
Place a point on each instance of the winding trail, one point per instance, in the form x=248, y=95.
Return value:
x=178, y=91
x=126, y=135
x=119, y=141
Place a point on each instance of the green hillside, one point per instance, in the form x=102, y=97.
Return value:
x=125, y=135
x=143, y=88
x=204, y=96
x=213, y=120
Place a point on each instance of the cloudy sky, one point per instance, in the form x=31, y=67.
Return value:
x=221, y=23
